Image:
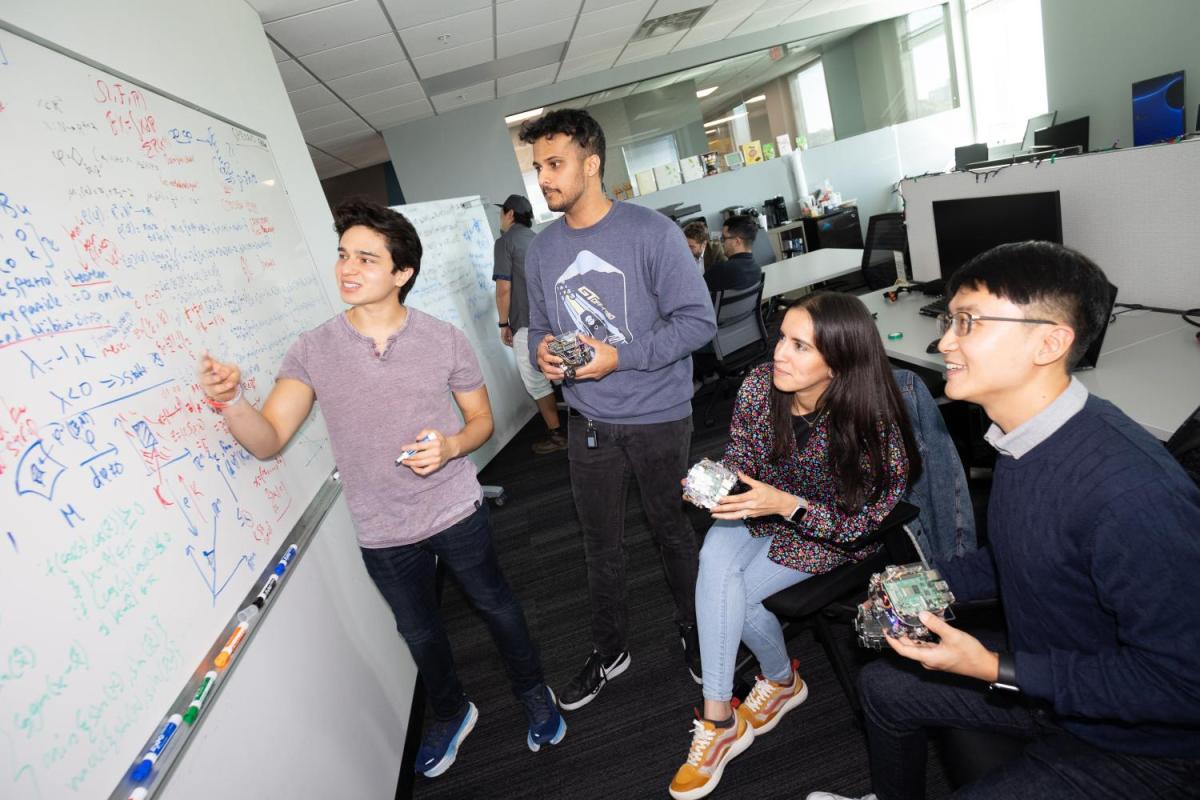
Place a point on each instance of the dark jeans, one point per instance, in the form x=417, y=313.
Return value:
x=656, y=456
x=902, y=701
x=405, y=577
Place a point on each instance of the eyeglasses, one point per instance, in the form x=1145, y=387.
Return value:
x=963, y=321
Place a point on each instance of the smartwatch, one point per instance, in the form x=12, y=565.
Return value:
x=503, y=324
x=1006, y=674
x=797, y=516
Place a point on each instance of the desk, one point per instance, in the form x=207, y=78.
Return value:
x=802, y=271
x=1149, y=365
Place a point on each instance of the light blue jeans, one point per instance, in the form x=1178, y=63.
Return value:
x=735, y=577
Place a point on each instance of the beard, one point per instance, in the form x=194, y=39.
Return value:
x=559, y=200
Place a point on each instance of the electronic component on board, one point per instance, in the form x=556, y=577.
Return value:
x=895, y=599
x=707, y=482
x=573, y=352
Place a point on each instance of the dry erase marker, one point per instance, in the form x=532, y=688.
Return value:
x=197, y=703
x=282, y=566
x=407, y=454
x=139, y=793
x=249, y=612
x=142, y=770
x=235, y=639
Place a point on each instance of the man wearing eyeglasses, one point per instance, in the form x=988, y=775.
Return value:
x=1093, y=548
x=738, y=270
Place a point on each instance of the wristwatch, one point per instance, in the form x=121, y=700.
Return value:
x=797, y=516
x=503, y=324
x=1006, y=674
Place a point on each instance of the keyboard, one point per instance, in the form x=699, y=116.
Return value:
x=939, y=306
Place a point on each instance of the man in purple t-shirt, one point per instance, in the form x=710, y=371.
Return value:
x=389, y=378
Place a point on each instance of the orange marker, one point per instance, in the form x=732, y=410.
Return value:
x=235, y=639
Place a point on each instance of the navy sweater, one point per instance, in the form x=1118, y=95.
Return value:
x=1094, y=549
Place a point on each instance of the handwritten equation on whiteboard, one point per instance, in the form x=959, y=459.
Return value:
x=135, y=234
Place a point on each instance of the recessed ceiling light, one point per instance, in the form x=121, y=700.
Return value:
x=757, y=99
x=730, y=118
x=711, y=131
x=524, y=115
x=707, y=92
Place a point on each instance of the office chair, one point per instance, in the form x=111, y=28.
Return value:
x=741, y=339
x=886, y=236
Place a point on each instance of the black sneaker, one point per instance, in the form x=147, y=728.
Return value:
x=591, y=679
x=550, y=442
x=690, y=639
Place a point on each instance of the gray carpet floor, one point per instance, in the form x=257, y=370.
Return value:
x=630, y=740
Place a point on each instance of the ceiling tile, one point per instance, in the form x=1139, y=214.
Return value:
x=705, y=34
x=586, y=45
x=329, y=27
x=363, y=154
x=374, y=80
x=464, y=97
x=295, y=76
x=729, y=9
x=340, y=146
x=271, y=10
x=391, y=117
x=758, y=21
x=664, y=7
x=648, y=48
x=617, y=16
x=409, y=13
x=598, y=5
x=529, y=79
x=519, y=14
x=389, y=98
x=326, y=115
x=454, y=59
x=336, y=131
x=510, y=44
x=350, y=59
x=310, y=97
x=593, y=62
x=279, y=54
x=423, y=40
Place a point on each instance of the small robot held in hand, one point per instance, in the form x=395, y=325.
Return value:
x=707, y=482
x=573, y=352
x=895, y=599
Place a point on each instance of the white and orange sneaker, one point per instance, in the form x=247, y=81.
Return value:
x=769, y=701
x=712, y=748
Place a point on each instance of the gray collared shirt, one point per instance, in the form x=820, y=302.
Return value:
x=1033, y=432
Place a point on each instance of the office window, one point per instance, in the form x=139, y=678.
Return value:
x=647, y=154
x=812, y=104
x=1008, y=66
x=925, y=59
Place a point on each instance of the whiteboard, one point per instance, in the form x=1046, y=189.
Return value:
x=135, y=233
x=455, y=284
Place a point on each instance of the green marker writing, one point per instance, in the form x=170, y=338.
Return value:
x=197, y=703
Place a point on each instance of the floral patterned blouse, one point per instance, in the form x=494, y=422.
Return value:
x=806, y=473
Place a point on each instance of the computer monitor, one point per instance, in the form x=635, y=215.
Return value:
x=966, y=227
x=1034, y=125
x=1088, y=361
x=1158, y=109
x=969, y=154
x=1065, y=134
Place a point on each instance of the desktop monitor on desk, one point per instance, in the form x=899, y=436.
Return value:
x=966, y=227
x=1074, y=133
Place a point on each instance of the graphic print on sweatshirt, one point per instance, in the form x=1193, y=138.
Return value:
x=592, y=299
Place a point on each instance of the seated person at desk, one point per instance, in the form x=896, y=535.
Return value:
x=393, y=381
x=704, y=250
x=1094, y=548
x=823, y=441
x=738, y=270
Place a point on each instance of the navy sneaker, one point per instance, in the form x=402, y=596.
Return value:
x=440, y=746
x=546, y=725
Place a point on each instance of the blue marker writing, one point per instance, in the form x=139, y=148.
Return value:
x=407, y=454
x=282, y=566
x=142, y=770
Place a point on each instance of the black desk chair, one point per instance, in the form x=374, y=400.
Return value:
x=741, y=339
x=886, y=236
x=812, y=603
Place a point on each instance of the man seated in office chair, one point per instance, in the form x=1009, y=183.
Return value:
x=704, y=250
x=1093, y=548
x=738, y=270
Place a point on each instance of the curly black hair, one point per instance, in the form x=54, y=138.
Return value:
x=573, y=122
x=403, y=242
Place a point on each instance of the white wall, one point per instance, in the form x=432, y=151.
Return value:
x=1096, y=50
x=215, y=55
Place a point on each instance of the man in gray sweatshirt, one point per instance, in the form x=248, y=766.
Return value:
x=620, y=276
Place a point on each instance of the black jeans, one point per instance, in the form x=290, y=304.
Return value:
x=902, y=701
x=656, y=456
x=405, y=577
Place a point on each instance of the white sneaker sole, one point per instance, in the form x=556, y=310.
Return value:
x=609, y=674
x=737, y=748
x=447, y=760
x=792, y=702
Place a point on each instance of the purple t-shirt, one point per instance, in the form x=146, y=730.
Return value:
x=374, y=404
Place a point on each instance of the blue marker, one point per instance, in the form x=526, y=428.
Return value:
x=407, y=454
x=142, y=770
x=282, y=566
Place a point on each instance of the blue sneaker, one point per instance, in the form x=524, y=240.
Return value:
x=546, y=725
x=439, y=748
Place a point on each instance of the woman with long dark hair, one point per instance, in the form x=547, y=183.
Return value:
x=822, y=440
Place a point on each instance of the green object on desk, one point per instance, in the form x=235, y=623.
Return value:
x=894, y=335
